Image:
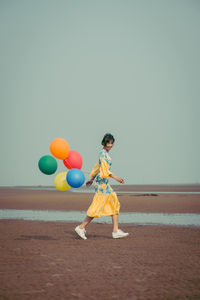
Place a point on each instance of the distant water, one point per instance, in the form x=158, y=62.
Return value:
x=91, y=190
x=124, y=217
x=134, y=192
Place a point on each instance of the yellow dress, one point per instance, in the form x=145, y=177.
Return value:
x=105, y=201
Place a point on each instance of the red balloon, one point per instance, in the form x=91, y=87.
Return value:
x=74, y=160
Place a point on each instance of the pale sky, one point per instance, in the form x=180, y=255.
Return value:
x=79, y=69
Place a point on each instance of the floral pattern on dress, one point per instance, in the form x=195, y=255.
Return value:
x=102, y=184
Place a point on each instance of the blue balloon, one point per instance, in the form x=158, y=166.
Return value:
x=75, y=178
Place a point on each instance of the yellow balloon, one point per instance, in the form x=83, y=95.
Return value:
x=60, y=182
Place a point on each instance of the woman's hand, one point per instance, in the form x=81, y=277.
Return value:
x=120, y=180
x=89, y=183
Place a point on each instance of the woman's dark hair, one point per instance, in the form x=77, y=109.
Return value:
x=107, y=138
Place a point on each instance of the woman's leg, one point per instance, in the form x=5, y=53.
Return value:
x=115, y=223
x=85, y=222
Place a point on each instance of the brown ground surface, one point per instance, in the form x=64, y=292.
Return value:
x=46, y=260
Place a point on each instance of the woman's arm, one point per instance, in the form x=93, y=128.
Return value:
x=117, y=178
x=90, y=182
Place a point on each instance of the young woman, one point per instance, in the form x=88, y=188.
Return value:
x=105, y=201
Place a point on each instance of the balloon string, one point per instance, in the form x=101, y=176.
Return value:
x=86, y=172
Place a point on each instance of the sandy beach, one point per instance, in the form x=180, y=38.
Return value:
x=30, y=198
x=46, y=260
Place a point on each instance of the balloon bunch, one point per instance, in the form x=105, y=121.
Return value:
x=72, y=160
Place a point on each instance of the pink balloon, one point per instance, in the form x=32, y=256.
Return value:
x=74, y=160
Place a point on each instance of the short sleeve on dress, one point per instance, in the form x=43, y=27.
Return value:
x=95, y=170
x=104, y=169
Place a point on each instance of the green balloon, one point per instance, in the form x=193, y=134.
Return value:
x=47, y=164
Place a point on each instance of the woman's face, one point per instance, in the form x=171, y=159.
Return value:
x=109, y=145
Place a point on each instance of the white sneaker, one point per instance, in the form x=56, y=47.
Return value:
x=81, y=232
x=119, y=234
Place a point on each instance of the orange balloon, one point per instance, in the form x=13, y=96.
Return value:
x=59, y=148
